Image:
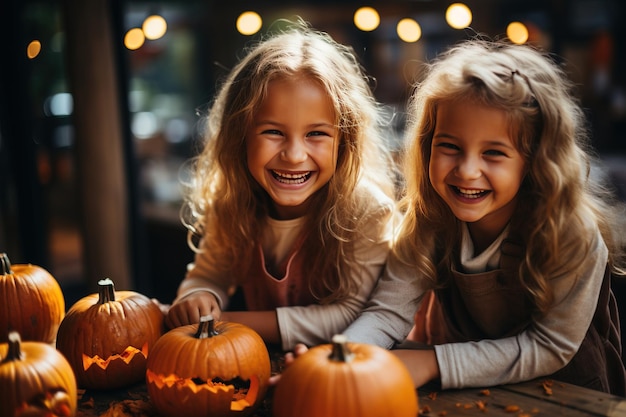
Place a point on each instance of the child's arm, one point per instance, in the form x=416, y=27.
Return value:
x=263, y=322
x=318, y=323
x=201, y=292
x=544, y=347
x=422, y=364
x=388, y=315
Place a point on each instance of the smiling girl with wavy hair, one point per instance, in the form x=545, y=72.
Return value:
x=508, y=243
x=293, y=193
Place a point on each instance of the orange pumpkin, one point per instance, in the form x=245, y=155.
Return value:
x=35, y=380
x=31, y=302
x=210, y=369
x=345, y=380
x=107, y=337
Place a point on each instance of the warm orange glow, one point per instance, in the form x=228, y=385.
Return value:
x=366, y=19
x=134, y=39
x=458, y=16
x=33, y=49
x=57, y=404
x=154, y=27
x=126, y=356
x=409, y=30
x=238, y=403
x=249, y=23
x=517, y=32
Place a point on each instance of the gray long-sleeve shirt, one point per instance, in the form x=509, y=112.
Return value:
x=542, y=348
x=315, y=323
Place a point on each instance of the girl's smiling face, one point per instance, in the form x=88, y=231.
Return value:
x=292, y=144
x=475, y=166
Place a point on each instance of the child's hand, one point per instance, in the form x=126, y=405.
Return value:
x=191, y=308
x=298, y=350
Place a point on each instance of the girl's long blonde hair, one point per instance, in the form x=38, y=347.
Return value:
x=227, y=207
x=559, y=207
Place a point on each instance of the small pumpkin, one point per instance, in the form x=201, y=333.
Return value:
x=31, y=302
x=345, y=379
x=35, y=380
x=107, y=337
x=217, y=369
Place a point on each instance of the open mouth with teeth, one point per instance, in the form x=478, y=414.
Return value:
x=468, y=193
x=289, y=178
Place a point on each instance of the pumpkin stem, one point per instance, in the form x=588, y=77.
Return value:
x=341, y=352
x=5, y=264
x=206, y=328
x=14, y=353
x=106, y=291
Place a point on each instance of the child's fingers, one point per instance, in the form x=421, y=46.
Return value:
x=289, y=358
x=274, y=379
x=300, y=349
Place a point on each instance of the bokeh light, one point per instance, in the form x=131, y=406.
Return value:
x=517, y=32
x=59, y=104
x=458, y=16
x=249, y=23
x=366, y=19
x=134, y=39
x=33, y=49
x=154, y=27
x=144, y=124
x=409, y=30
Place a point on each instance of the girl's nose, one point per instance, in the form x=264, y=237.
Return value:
x=468, y=167
x=294, y=151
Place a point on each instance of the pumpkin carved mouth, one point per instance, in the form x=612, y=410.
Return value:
x=209, y=369
x=106, y=337
x=244, y=393
x=126, y=356
x=54, y=403
x=35, y=380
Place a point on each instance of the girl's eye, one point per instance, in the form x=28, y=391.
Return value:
x=494, y=152
x=320, y=136
x=447, y=145
x=318, y=133
x=271, y=132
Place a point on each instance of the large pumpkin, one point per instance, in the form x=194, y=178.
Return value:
x=215, y=369
x=31, y=302
x=345, y=380
x=107, y=337
x=35, y=380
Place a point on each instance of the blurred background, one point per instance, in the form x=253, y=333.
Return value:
x=101, y=105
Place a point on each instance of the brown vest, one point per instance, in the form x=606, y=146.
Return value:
x=463, y=311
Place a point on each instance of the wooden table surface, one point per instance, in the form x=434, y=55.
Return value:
x=529, y=399
x=538, y=398
x=543, y=397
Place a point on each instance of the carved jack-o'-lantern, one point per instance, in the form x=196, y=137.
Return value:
x=108, y=336
x=35, y=380
x=215, y=369
x=31, y=302
x=345, y=380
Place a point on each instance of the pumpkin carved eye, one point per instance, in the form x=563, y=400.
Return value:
x=108, y=336
x=35, y=380
x=209, y=369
